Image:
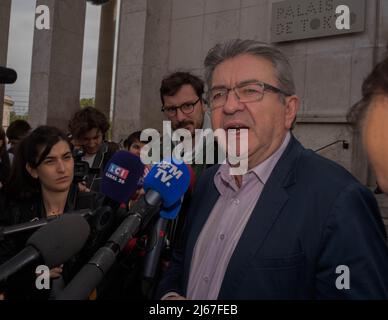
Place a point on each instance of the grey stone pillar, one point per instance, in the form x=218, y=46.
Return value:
x=57, y=63
x=105, y=57
x=5, y=13
x=142, y=61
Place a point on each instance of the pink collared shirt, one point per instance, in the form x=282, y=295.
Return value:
x=225, y=225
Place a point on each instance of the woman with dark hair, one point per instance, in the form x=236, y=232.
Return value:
x=43, y=168
x=4, y=159
x=40, y=186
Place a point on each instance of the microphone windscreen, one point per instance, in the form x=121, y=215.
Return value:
x=60, y=239
x=171, y=213
x=121, y=176
x=170, y=178
x=7, y=75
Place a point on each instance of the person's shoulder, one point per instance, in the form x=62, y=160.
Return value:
x=205, y=181
x=112, y=146
x=209, y=173
x=314, y=166
x=108, y=149
x=17, y=210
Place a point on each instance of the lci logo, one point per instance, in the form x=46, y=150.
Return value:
x=118, y=171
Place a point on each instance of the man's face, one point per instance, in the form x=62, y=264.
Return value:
x=267, y=120
x=375, y=138
x=191, y=121
x=55, y=173
x=91, y=141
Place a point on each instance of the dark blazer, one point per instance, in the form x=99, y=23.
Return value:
x=312, y=217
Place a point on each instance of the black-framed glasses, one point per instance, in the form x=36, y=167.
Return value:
x=245, y=92
x=186, y=108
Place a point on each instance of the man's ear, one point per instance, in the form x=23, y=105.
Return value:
x=33, y=172
x=292, y=107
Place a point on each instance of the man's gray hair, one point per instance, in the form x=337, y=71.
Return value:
x=233, y=48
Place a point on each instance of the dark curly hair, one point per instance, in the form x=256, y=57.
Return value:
x=133, y=137
x=18, y=129
x=173, y=82
x=87, y=119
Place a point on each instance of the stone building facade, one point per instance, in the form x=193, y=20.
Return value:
x=157, y=37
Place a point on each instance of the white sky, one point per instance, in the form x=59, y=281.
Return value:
x=20, y=51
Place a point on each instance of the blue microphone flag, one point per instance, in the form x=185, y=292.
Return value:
x=170, y=178
x=121, y=176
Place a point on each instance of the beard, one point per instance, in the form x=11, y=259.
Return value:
x=184, y=125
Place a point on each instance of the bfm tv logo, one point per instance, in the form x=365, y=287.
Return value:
x=166, y=171
x=117, y=173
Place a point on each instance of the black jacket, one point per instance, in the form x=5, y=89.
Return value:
x=5, y=168
x=22, y=284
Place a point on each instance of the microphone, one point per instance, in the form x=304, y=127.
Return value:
x=7, y=75
x=155, y=244
x=119, y=183
x=156, y=241
x=164, y=185
x=55, y=243
x=36, y=224
x=121, y=177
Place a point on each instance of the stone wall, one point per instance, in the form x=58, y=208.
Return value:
x=328, y=71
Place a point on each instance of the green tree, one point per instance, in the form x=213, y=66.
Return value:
x=86, y=102
x=13, y=116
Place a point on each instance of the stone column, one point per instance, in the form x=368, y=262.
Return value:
x=57, y=63
x=130, y=51
x=105, y=57
x=5, y=14
x=142, y=60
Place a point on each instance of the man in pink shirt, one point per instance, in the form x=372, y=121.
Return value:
x=295, y=225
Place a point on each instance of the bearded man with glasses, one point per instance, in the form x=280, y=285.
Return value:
x=295, y=225
x=181, y=95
